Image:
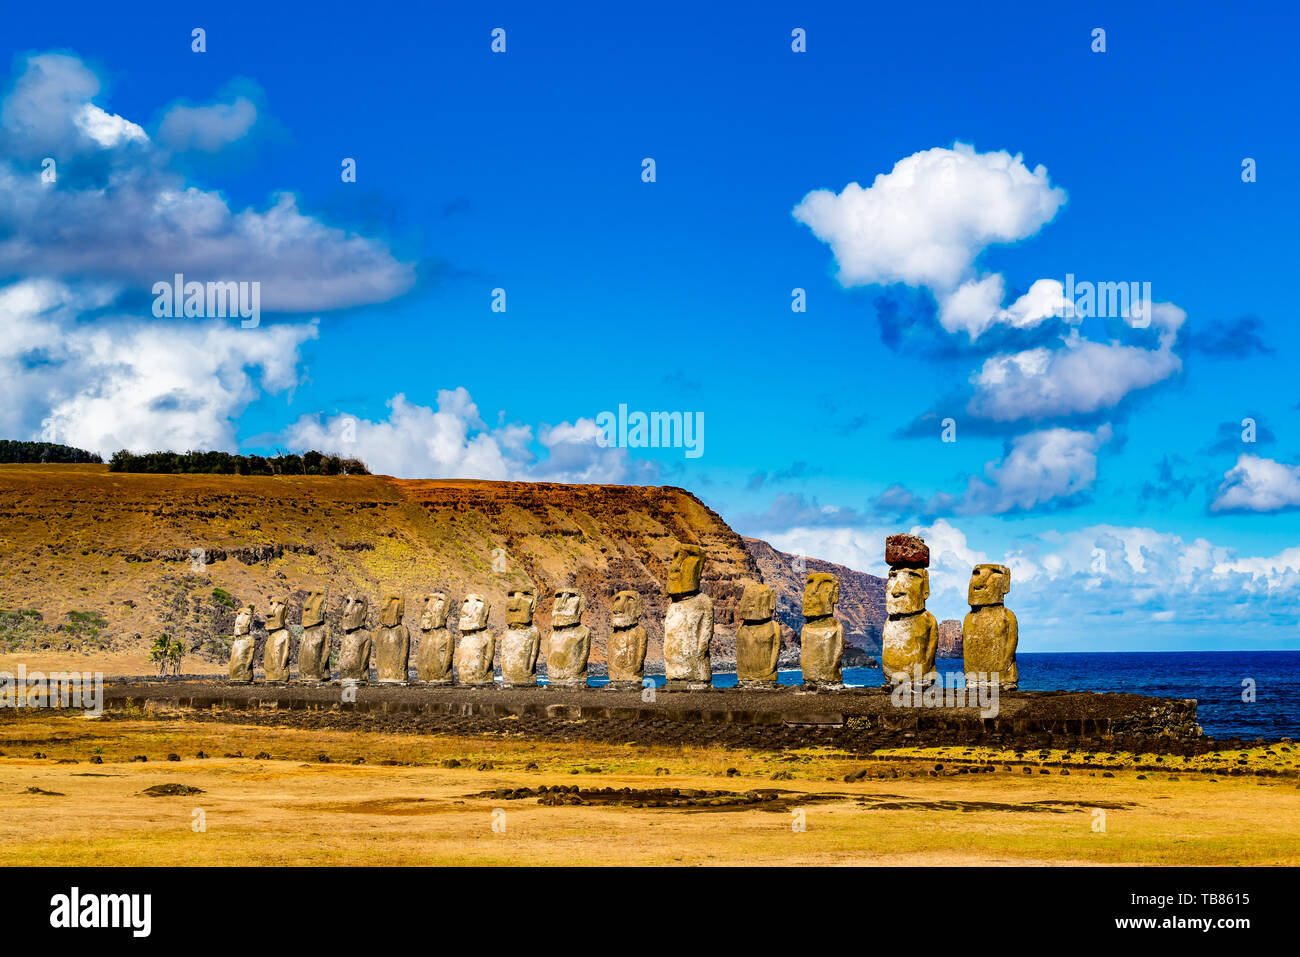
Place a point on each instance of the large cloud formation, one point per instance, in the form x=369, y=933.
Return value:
x=926, y=222
x=118, y=211
x=453, y=441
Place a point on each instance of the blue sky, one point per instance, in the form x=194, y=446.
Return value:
x=1103, y=462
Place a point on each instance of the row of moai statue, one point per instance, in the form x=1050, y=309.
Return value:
x=911, y=634
x=908, y=647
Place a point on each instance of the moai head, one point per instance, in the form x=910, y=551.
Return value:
x=906, y=590
x=392, y=611
x=758, y=603
x=474, y=613
x=355, y=612
x=313, y=608
x=625, y=612
x=567, y=608
x=989, y=585
x=820, y=595
x=685, y=569
x=276, y=616
x=244, y=620
x=520, y=603
x=435, y=611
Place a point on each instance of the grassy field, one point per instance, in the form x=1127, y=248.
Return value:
x=279, y=803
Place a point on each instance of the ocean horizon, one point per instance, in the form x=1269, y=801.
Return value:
x=1216, y=679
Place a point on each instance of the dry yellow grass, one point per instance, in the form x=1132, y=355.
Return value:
x=291, y=809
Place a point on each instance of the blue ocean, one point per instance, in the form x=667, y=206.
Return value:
x=1214, y=678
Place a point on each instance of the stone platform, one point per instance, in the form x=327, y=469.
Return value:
x=855, y=717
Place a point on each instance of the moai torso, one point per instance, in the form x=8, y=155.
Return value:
x=990, y=631
x=241, y=648
x=314, y=648
x=393, y=642
x=522, y=641
x=477, y=646
x=275, y=654
x=688, y=625
x=911, y=634
x=569, y=645
x=821, y=641
x=354, y=654
x=433, y=659
x=627, y=641
x=758, y=638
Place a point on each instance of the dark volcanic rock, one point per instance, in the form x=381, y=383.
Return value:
x=906, y=551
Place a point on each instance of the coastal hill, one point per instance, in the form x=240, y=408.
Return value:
x=862, y=597
x=99, y=563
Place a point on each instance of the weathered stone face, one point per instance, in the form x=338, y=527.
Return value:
x=313, y=608
x=474, y=613
x=519, y=606
x=757, y=604
x=989, y=585
x=314, y=653
x=626, y=653
x=393, y=650
x=244, y=620
x=567, y=608
x=906, y=590
x=433, y=657
x=949, y=639
x=990, y=634
x=392, y=611
x=625, y=611
x=519, y=648
x=355, y=612
x=821, y=652
x=820, y=594
x=241, y=657
x=567, y=653
x=685, y=570
x=275, y=653
x=474, y=654
x=758, y=648
x=275, y=618
x=908, y=643
x=906, y=551
x=688, y=635
x=354, y=655
x=436, y=607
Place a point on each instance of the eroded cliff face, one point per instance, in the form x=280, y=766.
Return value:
x=862, y=597
x=110, y=560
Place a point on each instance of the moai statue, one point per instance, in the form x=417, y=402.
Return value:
x=688, y=626
x=758, y=639
x=990, y=632
x=569, y=646
x=433, y=657
x=911, y=634
x=477, y=646
x=241, y=648
x=393, y=642
x=275, y=654
x=354, y=655
x=314, y=648
x=522, y=640
x=627, y=643
x=821, y=642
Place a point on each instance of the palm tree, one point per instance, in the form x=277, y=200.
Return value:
x=160, y=653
